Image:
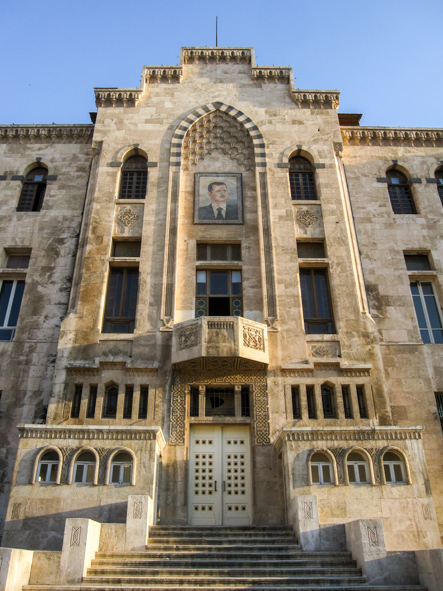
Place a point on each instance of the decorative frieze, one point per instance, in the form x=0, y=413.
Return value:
x=216, y=55
x=384, y=136
x=311, y=99
x=165, y=74
x=188, y=336
x=273, y=74
x=350, y=434
x=117, y=97
x=253, y=338
x=91, y=433
x=64, y=133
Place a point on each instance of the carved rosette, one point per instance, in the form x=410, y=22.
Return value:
x=127, y=217
x=188, y=337
x=220, y=132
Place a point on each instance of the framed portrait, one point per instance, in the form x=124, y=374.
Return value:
x=218, y=198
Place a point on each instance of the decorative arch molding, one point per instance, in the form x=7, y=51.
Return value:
x=112, y=455
x=367, y=457
x=182, y=129
x=331, y=458
x=402, y=455
x=126, y=152
x=74, y=459
x=296, y=150
x=39, y=456
x=27, y=168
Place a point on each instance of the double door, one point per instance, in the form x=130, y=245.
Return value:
x=220, y=475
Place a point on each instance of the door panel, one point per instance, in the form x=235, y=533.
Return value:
x=219, y=476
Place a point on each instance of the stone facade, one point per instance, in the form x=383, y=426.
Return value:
x=361, y=382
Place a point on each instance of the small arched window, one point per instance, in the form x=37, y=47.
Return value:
x=358, y=472
x=301, y=179
x=394, y=468
x=33, y=191
x=134, y=178
x=110, y=402
x=48, y=467
x=400, y=193
x=84, y=468
x=321, y=469
x=439, y=178
x=121, y=468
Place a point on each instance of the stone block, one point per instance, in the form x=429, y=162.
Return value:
x=139, y=517
x=15, y=568
x=306, y=523
x=80, y=543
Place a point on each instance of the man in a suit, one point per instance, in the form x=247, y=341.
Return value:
x=219, y=209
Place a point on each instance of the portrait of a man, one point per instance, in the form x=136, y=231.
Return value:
x=218, y=198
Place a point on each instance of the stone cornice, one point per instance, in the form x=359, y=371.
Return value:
x=117, y=97
x=90, y=432
x=217, y=54
x=298, y=370
x=159, y=74
x=84, y=370
x=391, y=136
x=349, y=434
x=316, y=99
x=65, y=133
x=272, y=74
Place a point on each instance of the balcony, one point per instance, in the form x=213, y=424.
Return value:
x=220, y=342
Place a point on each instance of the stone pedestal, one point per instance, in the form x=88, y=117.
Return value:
x=138, y=519
x=306, y=526
x=15, y=568
x=80, y=543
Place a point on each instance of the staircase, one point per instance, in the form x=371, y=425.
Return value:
x=225, y=559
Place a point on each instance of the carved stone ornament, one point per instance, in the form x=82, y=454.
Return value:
x=215, y=55
x=164, y=74
x=380, y=136
x=137, y=510
x=321, y=351
x=253, y=338
x=76, y=533
x=127, y=217
x=308, y=510
x=117, y=97
x=307, y=218
x=305, y=99
x=218, y=132
x=188, y=337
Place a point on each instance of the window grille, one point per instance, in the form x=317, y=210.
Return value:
x=245, y=402
x=127, y=406
x=218, y=252
x=361, y=398
x=327, y=397
x=310, y=399
x=301, y=179
x=400, y=193
x=92, y=401
x=417, y=262
x=220, y=402
x=134, y=178
x=346, y=402
x=125, y=248
x=76, y=402
x=311, y=250
x=33, y=191
x=110, y=402
x=143, y=405
x=194, y=409
x=295, y=395
x=439, y=403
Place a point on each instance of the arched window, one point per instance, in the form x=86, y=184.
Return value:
x=301, y=179
x=358, y=472
x=110, y=402
x=134, y=178
x=121, y=468
x=48, y=465
x=400, y=193
x=84, y=468
x=321, y=469
x=33, y=191
x=394, y=468
x=439, y=178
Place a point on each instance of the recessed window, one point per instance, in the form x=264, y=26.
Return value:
x=417, y=262
x=92, y=402
x=400, y=193
x=439, y=179
x=33, y=191
x=127, y=406
x=245, y=402
x=220, y=402
x=427, y=310
x=48, y=467
x=194, y=407
x=311, y=250
x=296, y=408
x=327, y=398
x=393, y=466
x=121, y=468
x=219, y=293
x=316, y=300
x=358, y=472
x=11, y=294
x=346, y=402
x=110, y=402
x=18, y=261
x=361, y=399
x=218, y=252
x=301, y=179
x=134, y=178
x=84, y=468
x=321, y=469
x=439, y=404
x=76, y=402
x=126, y=248
x=121, y=300
x=143, y=403
x=310, y=400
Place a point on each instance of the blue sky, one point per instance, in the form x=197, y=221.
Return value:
x=385, y=56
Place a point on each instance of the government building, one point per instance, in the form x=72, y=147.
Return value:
x=220, y=320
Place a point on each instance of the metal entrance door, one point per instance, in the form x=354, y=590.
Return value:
x=220, y=475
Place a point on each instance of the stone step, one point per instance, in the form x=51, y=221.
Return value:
x=208, y=552
x=225, y=588
x=221, y=541
x=257, y=571
x=217, y=581
x=222, y=528
x=219, y=532
x=273, y=561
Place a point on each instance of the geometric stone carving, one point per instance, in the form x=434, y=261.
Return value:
x=127, y=217
x=253, y=338
x=373, y=536
x=218, y=132
x=188, y=337
x=138, y=506
x=306, y=218
x=308, y=510
x=15, y=513
x=321, y=351
x=75, y=535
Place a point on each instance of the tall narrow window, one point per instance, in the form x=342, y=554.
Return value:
x=143, y=405
x=127, y=406
x=439, y=403
x=121, y=468
x=33, y=191
x=361, y=399
x=439, y=178
x=428, y=312
x=121, y=300
x=316, y=300
x=134, y=178
x=301, y=179
x=400, y=193
x=92, y=401
x=245, y=402
x=76, y=402
x=194, y=403
x=296, y=410
x=321, y=469
x=110, y=402
x=327, y=398
x=346, y=402
x=219, y=293
x=11, y=294
x=310, y=399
